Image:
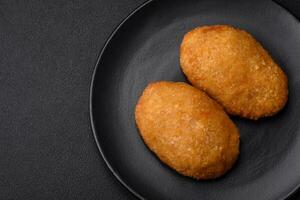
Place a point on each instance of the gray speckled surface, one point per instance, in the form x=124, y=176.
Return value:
x=47, y=55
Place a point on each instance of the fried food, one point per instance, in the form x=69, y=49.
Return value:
x=187, y=130
x=234, y=69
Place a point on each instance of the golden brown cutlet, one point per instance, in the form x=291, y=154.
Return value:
x=235, y=70
x=187, y=130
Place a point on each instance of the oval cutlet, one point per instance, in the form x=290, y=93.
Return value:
x=235, y=70
x=187, y=130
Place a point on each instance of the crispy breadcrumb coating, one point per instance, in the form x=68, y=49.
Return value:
x=187, y=130
x=235, y=70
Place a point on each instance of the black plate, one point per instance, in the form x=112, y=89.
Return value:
x=144, y=48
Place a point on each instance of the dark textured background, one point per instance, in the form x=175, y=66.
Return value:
x=47, y=54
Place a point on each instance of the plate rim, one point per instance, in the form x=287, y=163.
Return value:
x=96, y=138
x=91, y=93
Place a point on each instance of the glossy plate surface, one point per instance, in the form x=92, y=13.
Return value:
x=144, y=48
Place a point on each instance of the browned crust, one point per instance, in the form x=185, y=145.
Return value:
x=158, y=131
x=269, y=80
